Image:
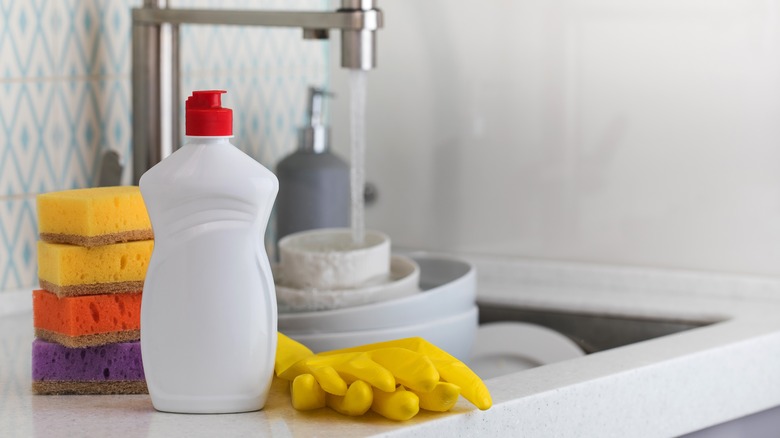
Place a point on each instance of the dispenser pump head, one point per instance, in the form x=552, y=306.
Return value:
x=316, y=136
x=205, y=115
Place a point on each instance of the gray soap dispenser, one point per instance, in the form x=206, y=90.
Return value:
x=313, y=182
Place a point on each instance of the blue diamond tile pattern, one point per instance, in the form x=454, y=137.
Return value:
x=65, y=81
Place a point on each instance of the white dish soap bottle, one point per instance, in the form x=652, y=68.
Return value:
x=208, y=314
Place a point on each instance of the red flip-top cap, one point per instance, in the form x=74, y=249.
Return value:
x=205, y=115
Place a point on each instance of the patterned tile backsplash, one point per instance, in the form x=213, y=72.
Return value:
x=66, y=97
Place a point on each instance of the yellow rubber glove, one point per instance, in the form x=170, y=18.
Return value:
x=412, y=362
x=381, y=368
x=451, y=369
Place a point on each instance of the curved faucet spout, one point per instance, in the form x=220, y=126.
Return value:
x=155, y=119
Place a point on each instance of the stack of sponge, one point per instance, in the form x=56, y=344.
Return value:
x=92, y=258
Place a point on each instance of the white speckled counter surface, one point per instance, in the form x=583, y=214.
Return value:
x=662, y=387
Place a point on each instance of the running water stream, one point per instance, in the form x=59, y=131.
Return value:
x=357, y=119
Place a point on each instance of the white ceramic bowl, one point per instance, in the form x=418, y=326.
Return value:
x=449, y=287
x=404, y=280
x=454, y=334
x=328, y=259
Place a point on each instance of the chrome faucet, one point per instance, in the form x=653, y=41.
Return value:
x=156, y=59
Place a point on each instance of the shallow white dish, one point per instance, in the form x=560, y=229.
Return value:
x=506, y=347
x=404, y=280
x=454, y=334
x=449, y=287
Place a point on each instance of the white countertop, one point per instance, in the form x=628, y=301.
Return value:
x=662, y=387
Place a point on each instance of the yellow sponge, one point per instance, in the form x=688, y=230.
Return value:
x=93, y=216
x=68, y=270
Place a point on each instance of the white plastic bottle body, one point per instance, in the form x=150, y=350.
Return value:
x=208, y=314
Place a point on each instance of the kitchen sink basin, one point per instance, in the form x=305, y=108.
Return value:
x=591, y=332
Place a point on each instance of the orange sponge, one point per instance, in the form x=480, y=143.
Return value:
x=88, y=320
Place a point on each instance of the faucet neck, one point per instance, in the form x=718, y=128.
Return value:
x=364, y=5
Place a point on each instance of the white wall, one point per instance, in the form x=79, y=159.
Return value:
x=643, y=132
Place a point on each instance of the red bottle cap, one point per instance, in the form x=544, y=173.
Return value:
x=205, y=115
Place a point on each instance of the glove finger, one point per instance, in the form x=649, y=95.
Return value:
x=306, y=394
x=363, y=368
x=329, y=380
x=471, y=386
x=441, y=399
x=399, y=405
x=356, y=402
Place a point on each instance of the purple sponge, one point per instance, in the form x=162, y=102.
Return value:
x=107, y=369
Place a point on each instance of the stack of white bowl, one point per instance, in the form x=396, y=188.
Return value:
x=333, y=295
